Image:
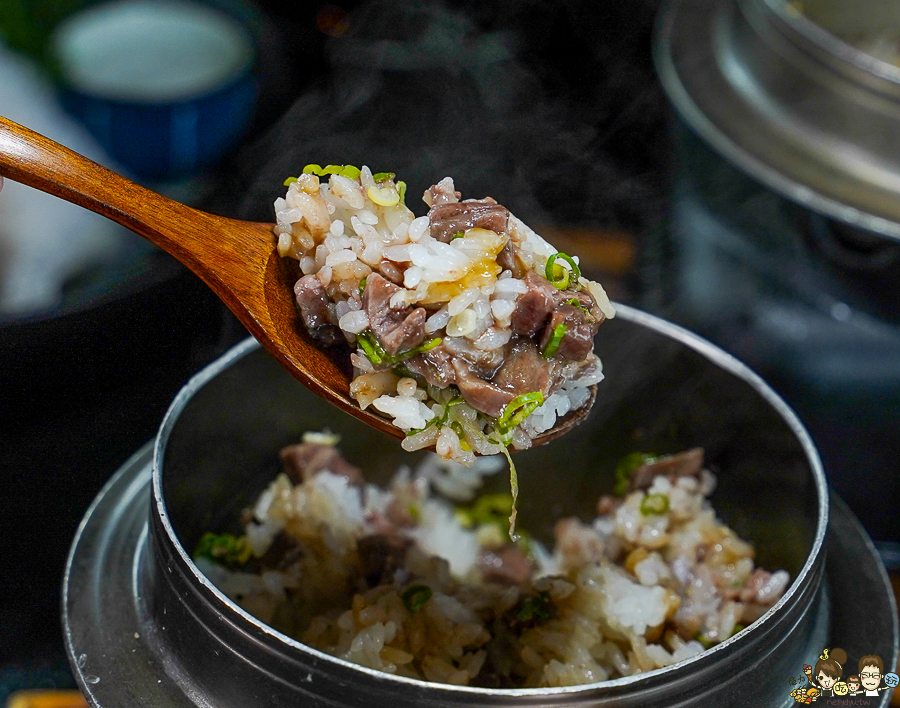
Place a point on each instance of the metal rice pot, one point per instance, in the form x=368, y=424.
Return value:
x=666, y=390
x=784, y=241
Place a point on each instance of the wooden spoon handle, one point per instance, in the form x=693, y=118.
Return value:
x=205, y=243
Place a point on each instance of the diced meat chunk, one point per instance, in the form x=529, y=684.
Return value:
x=525, y=370
x=397, y=328
x=435, y=365
x=381, y=556
x=684, y=464
x=441, y=193
x=447, y=219
x=534, y=307
x=304, y=461
x=313, y=302
x=578, y=338
x=480, y=394
x=282, y=554
x=508, y=259
x=506, y=565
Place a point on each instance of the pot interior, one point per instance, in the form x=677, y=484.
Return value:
x=661, y=395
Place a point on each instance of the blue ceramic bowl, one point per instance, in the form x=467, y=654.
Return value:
x=166, y=86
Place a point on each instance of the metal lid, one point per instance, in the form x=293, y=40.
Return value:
x=807, y=114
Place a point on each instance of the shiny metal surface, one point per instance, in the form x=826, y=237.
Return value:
x=807, y=114
x=153, y=631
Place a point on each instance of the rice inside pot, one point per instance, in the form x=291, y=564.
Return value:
x=419, y=579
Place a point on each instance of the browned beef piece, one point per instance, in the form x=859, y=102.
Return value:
x=509, y=260
x=440, y=196
x=480, y=394
x=381, y=556
x=304, y=461
x=525, y=370
x=282, y=554
x=507, y=565
x=684, y=464
x=436, y=366
x=534, y=307
x=391, y=272
x=586, y=300
x=578, y=340
x=397, y=329
x=607, y=504
x=313, y=301
x=448, y=219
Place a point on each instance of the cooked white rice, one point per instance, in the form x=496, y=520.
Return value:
x=343, y=229
x=628, y=591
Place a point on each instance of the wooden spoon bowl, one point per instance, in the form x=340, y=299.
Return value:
x=238, y=260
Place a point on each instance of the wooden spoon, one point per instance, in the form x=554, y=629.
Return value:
x=237, y=259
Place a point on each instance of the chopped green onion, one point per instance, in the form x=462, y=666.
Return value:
x=362, y=285
x=536, y=608
x=415, y=597
x=514, y=489
x=422, y=348
x=381, y=176
x=348, y=171
x=705, y=641
x=442, y=421
x=491, y=508
x=289, y=181
x=656, y=504
x=574, y=302
x=457, y=428
x=225, y=549
x=626, y=466
x=414, y=512
x=370, y=347
x=562, y=277
x=458, y=234
x=401, y=190
x=558, y=333
x=518, y=409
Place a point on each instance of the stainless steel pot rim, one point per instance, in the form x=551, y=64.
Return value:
x=702, y=346
x=831, y=43
x=708, y=106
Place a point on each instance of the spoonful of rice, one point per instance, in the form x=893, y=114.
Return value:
x=462, y=330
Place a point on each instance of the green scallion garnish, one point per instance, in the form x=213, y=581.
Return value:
x=289, y=181
x=381, y=176
x=514, y=489
x=458, y=234
x=415, y=597
x=518, y=409
x=656, y=504
x=558, y=333
x=537, y=608
x=559, y=276
x=401, y=190
x=370, y=347
x=348, y=171
x=224, y=548
x=626, y=466
x=362, y=285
